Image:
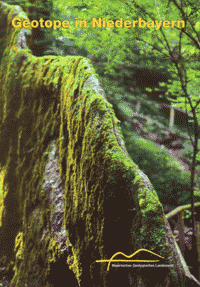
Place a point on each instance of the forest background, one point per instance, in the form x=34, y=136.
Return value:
x=139, y=69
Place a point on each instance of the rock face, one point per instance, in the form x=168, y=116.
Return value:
x=72, y=196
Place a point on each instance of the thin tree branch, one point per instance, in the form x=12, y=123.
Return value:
x=198, y=102
x=190, y=36
x=188, y=125
x=186, y=18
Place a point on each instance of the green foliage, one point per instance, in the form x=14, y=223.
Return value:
x=187, y=213
x=43, y=7
x=117, y=47
x=188, y=151
x=41, y=38
x=171, y=183
x=164, y=178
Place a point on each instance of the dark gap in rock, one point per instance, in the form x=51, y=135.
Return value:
x=60, y=274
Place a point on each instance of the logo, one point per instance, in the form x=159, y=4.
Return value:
x=129, y=256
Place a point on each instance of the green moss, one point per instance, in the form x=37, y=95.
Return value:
x=75, y=267
x=2, y=194
x=30, y=91
x=44, y=99
x=19, y=245
x=92, y=149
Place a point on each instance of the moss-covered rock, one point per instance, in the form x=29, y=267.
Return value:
x=71, y=194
